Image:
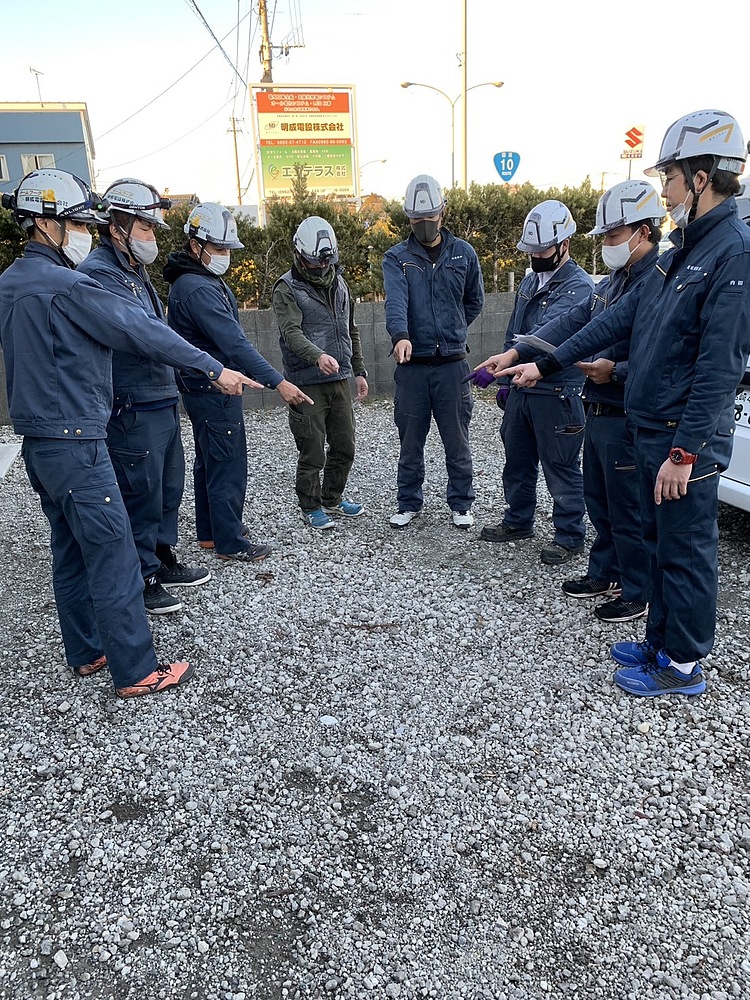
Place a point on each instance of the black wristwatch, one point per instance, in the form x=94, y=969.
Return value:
x=613, y=374
x=362, y=374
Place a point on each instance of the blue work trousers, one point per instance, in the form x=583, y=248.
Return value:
x=220, y=468
x=146, y=451
x=681, y=539
x=613, y=501
x=544, y=427
x=424, y=392
x=95, y=570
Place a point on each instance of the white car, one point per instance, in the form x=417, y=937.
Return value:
x=734, y=485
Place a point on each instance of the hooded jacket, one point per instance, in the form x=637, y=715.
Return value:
x=316, y=320
x=203, y=310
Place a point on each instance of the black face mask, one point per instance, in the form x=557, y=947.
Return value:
x=426, y=230
x=542, y=264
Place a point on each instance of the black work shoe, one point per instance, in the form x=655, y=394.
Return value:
x=504, y=533
x=555, y=555
x=178, y=575
x=621, y=611
x=586, y=586
x=159, y=601
x=253, y=554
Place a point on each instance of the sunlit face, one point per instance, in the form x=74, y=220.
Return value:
x=54, y=229
x=674, y=189
x=143, y=230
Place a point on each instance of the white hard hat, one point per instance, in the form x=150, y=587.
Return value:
x=137, y=198
x=545, y=226
x=625, y=204
x=215, y=224
x=53, y=194
x=743, y=200
x=315, y=242
x=423, y=198
x=703, y=133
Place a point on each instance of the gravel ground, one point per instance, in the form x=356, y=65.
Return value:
x=401, y=770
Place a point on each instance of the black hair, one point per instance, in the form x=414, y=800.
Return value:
x=654, y=233
x=724, y=183
x=123, y=221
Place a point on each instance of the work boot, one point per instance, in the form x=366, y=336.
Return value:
x=504, y=533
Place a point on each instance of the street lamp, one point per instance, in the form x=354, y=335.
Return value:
x=367, y=164
x=427, y=86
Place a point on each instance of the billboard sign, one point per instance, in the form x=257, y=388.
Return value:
x=308, y=127
x=633, y=144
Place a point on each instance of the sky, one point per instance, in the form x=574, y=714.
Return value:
x=576, y=77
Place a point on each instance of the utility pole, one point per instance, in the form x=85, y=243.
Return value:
x=266, y=52
x=464, y=109
x=234, y=131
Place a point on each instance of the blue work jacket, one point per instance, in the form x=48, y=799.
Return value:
x=689, y=332
x=432, y=305
x=135, y=378
x=203, y=310
x=58, y=330
x=623, y=281
x=568, y=288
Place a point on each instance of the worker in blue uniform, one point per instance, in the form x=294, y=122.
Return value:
x=143, y=434
x=544, y=423
x=689, y=333
x=433, y=292
x=58, y=329
x=203, y=310
x=628, y=217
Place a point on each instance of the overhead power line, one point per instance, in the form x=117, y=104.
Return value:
x=194, y=6
x=161, y=149
x=178, y=80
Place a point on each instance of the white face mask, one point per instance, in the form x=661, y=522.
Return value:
x=144, y=251
x=618, y=256
x=680, y=214
x=218, y=263
x=77, y=248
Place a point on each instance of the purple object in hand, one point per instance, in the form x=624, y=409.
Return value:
x=502, y=396
x=481, y=378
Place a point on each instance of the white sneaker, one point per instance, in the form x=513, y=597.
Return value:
x=462, y=518
x=404, y=518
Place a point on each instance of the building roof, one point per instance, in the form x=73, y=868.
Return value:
x=51, y=107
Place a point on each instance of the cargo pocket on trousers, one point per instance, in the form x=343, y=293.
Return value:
x=299, y=425
x=131, y=469
x=224, y=440
x=101, y=512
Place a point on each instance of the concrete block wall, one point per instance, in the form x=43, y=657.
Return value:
x=485, y=337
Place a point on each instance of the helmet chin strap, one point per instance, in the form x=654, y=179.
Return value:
x=125, y=236
x=57, y=246
x=689, y=181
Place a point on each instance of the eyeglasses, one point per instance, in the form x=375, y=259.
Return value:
x=668, y=178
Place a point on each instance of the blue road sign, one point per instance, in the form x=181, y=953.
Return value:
x=506, y=164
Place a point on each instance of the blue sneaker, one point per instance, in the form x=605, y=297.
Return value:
x=318, y=519
x=633, y=654
x=346, y=508
x=660, y=677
